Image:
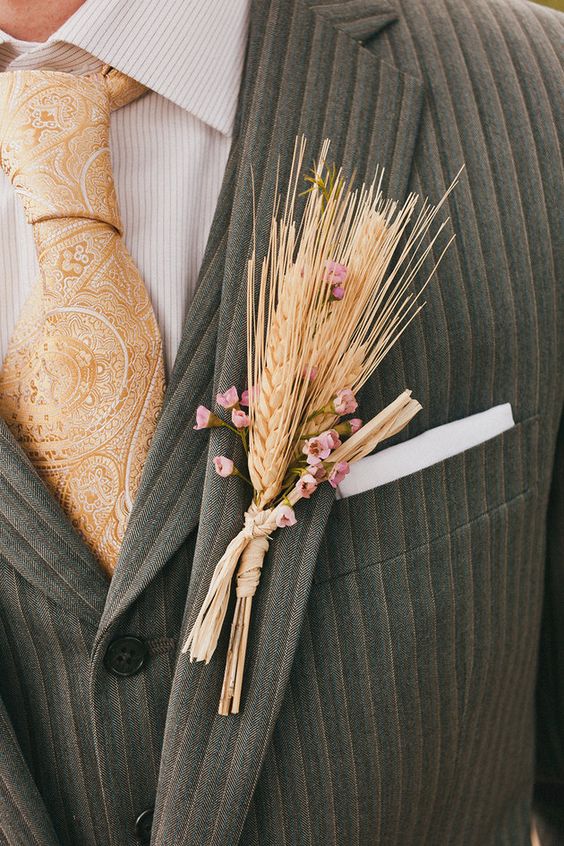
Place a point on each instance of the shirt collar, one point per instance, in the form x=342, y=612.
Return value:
x=189, y=51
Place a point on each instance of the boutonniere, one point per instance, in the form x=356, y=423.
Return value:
x=324, y=306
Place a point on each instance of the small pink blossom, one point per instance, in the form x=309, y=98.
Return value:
x=318, y=448
x=309, y=372
x=239, y=418
x=205, y=418
x=203, y=415
x=319, y=471
x=285, y=516
x=229, y=399
x=333, y=437
x=338, y=473
x=345, y=402
x=348, y=427
x=337, y=292
x=336, y=273
x=249, y=394
x=330, y=437
x=223, y=466
x=306, y=485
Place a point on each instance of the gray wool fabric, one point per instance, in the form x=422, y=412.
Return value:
x=404, y=681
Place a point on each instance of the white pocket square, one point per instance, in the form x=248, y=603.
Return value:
x=425, y=449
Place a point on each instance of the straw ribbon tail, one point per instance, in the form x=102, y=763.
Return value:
x=261, y=524
x=247, y=550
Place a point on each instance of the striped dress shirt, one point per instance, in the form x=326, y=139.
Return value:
x=169, y=149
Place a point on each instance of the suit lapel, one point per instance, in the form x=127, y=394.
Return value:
x=305, y=73
x=38, y=539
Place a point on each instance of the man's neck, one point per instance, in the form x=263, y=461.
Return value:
x=35, y=20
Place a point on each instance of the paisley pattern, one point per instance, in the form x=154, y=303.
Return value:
x=82, y=383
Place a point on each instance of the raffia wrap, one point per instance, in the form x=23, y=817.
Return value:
x=248, y=550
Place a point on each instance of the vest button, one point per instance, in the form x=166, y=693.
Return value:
x=125, y=656
x=143, y=825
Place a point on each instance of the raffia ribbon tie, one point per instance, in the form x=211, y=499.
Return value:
x=247, y=550
x=258, y=529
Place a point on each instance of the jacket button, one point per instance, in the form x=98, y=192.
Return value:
x=125, y=656
x=143, y=825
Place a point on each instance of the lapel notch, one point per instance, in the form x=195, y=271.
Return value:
x=360, y=19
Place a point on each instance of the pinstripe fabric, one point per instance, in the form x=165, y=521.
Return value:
x=169, y=148
x=394, y=651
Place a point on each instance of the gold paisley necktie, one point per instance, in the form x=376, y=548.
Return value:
x=82, y=383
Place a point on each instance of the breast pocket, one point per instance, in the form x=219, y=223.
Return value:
x=422, y=632
x=421, y=508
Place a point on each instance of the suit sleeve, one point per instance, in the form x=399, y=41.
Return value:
x=549, y=788
x=23, y=817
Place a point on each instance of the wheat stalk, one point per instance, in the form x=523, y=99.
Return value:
x=296, y=329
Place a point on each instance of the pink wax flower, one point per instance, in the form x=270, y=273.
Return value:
x=223, y=466
x=205, y=418
x=229, y=399
x=318, y=448
x=337, y=292
x=348, y=427
x=336, y=273
x=333, y=437
x=249, y=394
x=309, y=372
x=285, y=516
x=338, y=473
x=319, y=471
x=306, y=485
x=345, y=402
x=239, y=418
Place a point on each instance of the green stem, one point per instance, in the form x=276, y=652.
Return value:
x=315, y=414
x=242, y=476
x=241, y=433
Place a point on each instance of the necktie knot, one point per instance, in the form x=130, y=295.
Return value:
x=54, y=142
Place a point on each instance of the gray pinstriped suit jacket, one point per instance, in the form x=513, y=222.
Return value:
x=393, y=689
